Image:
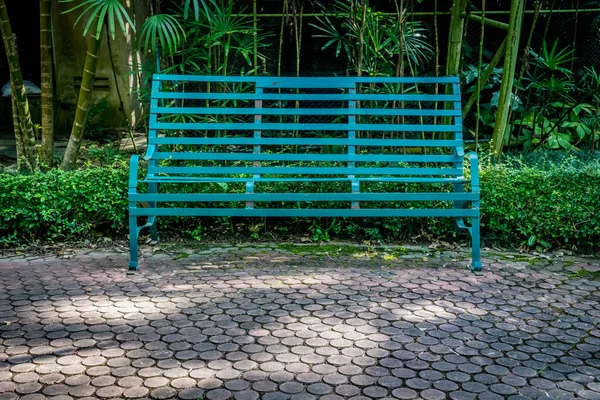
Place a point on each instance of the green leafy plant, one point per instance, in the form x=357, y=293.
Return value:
x=373, y=42
x=161, y=30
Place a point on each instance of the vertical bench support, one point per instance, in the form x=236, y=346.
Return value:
x=256, y=149
x=459, y=152
x=152, y=162
x=476, y=265
x=355, y=205
x=133, y=228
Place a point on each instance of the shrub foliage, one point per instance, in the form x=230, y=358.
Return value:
x=543, y=205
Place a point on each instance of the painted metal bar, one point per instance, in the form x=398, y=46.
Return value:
x=152, y=134
x=192, y=179
x=304, y=111
x=264, y=141
x=476, y=264
x=354, y=185
x=459, y=152
x=233, y=126
x=296, y=212
x=306, y=170
x=415, y=158
x=256, y=149
x=304, y=97
x=133, y=171
x=132, y=206
x=270, y=197
x=319, y=82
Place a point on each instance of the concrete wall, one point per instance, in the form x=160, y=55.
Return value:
x=70, y=47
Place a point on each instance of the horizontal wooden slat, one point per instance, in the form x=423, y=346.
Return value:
x=295, y=212
x=305, y=97
x=175, y=126
x=264, y=141
x=420, y=158
x=305, y=111
x=270, y=197
x=317, y=82
x=306, y=170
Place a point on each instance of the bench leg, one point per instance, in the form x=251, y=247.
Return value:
x=476, y=265
x=133, y=244
x=153, y=188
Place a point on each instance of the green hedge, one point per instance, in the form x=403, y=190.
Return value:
x=541, y=205
x=60, y=205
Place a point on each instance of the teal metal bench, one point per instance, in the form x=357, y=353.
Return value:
x=376, y=147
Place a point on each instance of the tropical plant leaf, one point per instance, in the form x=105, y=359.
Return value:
x=161, y=30
x=101, y=12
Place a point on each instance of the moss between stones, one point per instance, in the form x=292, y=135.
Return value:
x=585, y=274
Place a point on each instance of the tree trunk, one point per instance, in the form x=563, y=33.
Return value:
x=455, y=38
x=83, y=102
x=508, y=77
x=18, y=135
x=18, y=91
x=47, y=150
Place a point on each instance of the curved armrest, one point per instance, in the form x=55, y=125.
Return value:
x=150, y=152
x=474, y=161
x=133, y=171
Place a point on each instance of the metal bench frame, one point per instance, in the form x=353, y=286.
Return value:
x=465, y=203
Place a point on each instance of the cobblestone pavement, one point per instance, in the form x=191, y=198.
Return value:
x=275, y=323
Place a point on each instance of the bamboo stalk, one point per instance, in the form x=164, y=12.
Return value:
x=21, y=161
x=47, y=149
x=429, y=13
x=479, y=62
x=525, y=62
x=508, y=76
x=83, y=102
x=255, y=36
x=487, y=21
x=18, y=90
x=455, y=38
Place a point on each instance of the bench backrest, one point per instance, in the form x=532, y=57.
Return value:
x=342, y=125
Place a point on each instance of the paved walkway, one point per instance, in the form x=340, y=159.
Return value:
x=271, y=323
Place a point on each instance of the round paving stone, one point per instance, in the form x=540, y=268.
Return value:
x=219, y=394
x=183, y=383
x=363, y=380
x=264, y=386
x=276, y=396
x=27, y=388
x=163, y=393
x=335, y=379
x=417, y=383
x=281, y=376
x=109, y=392
x=375, y=392
x=135, y=392
x=404, y=393
x=503, y=389
x=246, y=395
x=237, y=385
x=210, y=383
x=291, y=387
x=347, y=390
x=432, y=394
x=445, y=385
x=56, y=390
x=319, y=389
